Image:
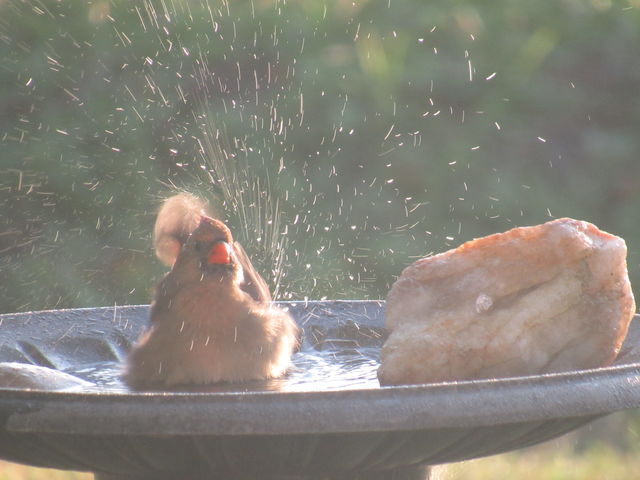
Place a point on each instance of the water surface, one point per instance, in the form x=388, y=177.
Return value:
x=333, y=368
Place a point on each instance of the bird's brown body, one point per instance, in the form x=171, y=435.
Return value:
x=212, y=319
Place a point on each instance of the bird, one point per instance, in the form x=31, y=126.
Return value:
x=212, y=319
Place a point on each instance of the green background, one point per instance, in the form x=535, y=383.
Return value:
x=341, y=140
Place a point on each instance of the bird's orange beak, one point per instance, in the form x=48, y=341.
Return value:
x=220, y=253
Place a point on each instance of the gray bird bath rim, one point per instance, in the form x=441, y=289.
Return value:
x=250, y=431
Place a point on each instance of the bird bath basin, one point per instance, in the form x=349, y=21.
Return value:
x=329, y=419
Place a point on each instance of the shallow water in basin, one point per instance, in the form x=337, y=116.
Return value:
x=315, y=370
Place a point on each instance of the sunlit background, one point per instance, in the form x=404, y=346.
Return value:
x=341, y=140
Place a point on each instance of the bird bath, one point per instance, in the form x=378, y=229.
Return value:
x=329, y=419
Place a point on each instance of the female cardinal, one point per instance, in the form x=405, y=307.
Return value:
x=212, y=319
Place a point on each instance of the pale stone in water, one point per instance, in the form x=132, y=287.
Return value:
x=549, y=298
x=23, y=376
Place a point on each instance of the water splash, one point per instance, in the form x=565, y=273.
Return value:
x=312, y=371
x=352, y=137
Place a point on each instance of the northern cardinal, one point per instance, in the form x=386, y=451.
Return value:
x=212, y=319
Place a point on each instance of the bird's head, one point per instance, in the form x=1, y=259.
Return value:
x=211, y=246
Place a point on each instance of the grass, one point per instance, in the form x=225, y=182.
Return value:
x=13, y=471
x=605, y=450
x=600, y=463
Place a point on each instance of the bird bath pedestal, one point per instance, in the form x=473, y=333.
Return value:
x=275, y=430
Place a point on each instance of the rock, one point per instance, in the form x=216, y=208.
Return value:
x=549, y=298
x=23, y=376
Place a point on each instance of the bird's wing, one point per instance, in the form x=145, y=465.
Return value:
x=253, y=283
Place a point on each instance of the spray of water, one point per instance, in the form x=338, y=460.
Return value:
x=340, y=141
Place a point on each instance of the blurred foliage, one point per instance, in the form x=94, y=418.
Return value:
x=341, y=140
